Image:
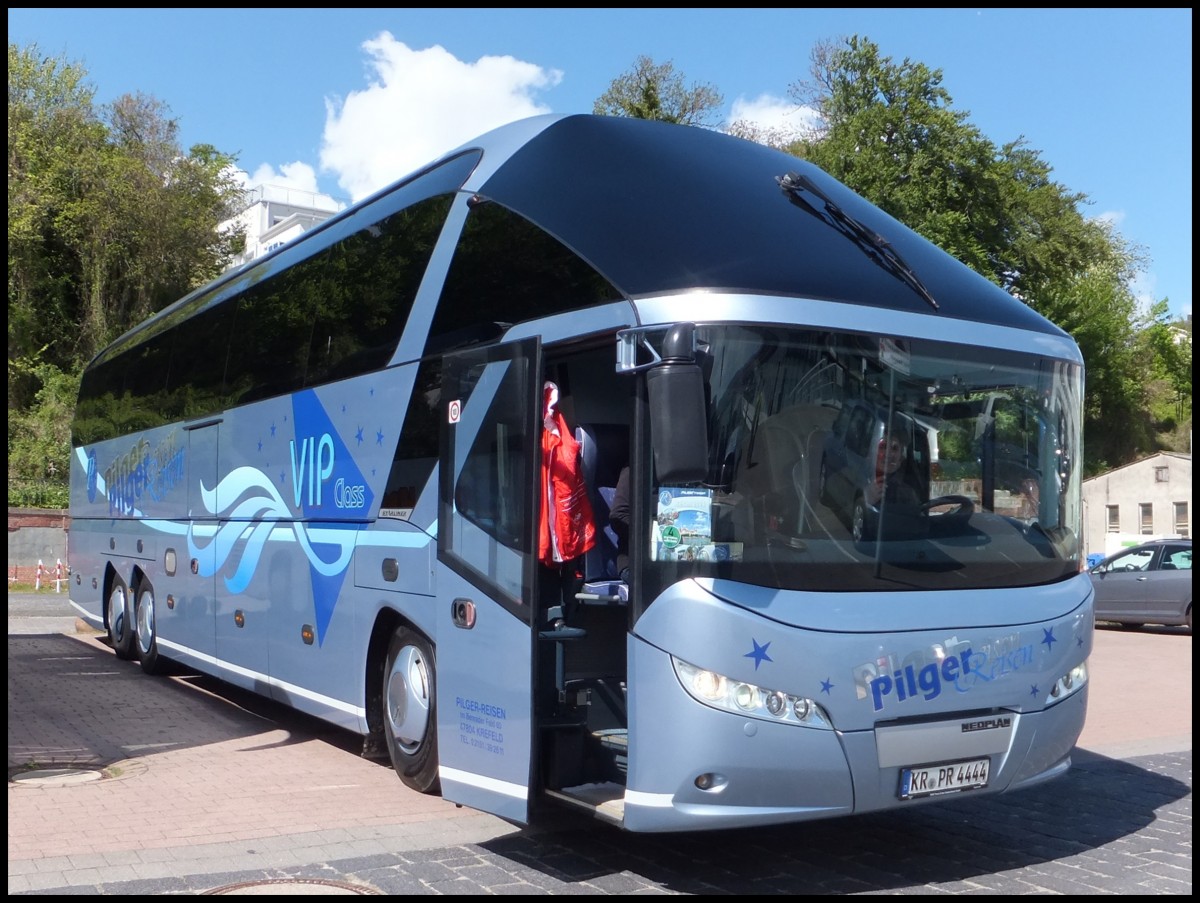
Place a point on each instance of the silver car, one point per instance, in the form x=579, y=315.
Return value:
x=1147, y=584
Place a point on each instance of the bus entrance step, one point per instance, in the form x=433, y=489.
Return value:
x=616, y=739
x=606, y=800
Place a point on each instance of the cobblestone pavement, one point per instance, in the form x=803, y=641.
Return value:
x=202, y=789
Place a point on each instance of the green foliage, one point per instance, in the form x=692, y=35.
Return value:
x=649, y=91
x=39, y=440
x=890, y=132
x=109, y=220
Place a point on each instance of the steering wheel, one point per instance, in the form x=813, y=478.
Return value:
x=963, y=509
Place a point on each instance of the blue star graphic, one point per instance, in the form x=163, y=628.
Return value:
x=826, y=686
x=1078, y=641
x=379, y=437
x=260, y=445
x=359, y=435
x=1048, y=637
x=1033, y=690
x=759, y=653
x=272, y=430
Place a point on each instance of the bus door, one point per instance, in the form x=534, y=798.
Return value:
x=487, y=531
x=190, y=621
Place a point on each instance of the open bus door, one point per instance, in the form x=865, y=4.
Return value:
x=487, y=539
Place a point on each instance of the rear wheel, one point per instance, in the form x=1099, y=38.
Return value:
x=146, y=630
x=120, y=620
x=410, y=710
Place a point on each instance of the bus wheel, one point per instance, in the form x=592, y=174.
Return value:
x=120, y=620
x=147, y=636
x=410, y=710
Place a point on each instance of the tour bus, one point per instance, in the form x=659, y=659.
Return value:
x=322, y=476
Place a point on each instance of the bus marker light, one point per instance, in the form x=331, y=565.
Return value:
x=307, y=634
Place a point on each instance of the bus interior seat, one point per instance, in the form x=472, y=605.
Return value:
x=604, y=451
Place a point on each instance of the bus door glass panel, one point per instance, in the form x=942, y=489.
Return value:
x=191, y=621
x=490, y=459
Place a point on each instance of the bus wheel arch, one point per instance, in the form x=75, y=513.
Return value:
x=145, y=629
x=118, y=616
x=409, y=706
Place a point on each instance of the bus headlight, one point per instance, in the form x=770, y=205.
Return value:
x=742, y=698
x=1069, y=683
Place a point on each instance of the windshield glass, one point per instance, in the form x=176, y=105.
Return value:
x=841, y=461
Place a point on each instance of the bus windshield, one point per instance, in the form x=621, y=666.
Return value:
x=840, y=461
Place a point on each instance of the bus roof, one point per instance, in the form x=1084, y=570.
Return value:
x=659, y=208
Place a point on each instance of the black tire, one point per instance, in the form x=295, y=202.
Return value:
x=146, y=630
x=410, y=710
x=120, y=620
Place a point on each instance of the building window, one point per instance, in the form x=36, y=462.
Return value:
x=1114, y=518
x=1181, y=518
x=1146, y=517
x=1161, y=474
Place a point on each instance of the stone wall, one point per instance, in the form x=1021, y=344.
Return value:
x=34, y=535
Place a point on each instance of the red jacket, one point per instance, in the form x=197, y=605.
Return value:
x=566, y=526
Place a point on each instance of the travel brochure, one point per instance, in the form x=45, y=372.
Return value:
x=683, y=528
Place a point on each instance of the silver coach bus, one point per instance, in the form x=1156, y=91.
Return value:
x=850, y=575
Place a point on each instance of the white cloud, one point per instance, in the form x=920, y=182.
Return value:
x=417, y=105
x=290, y=175
x=775, y=116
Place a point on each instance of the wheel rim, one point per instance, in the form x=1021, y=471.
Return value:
x=145, y=622
x=116, y=614
x=408, y=699
x=859, y=521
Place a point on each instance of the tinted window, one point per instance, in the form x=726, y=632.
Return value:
x=506, y=270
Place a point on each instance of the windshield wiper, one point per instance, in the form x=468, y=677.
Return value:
x=870, y=241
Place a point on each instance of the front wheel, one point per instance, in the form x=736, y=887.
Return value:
x=120, y=620
x=410, y=710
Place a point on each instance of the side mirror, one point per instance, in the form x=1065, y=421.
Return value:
x=678, y=412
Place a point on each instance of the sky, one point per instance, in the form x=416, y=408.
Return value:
x=345, y=101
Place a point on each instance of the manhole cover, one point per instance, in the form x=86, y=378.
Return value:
x=292, y=887
x=56, y=777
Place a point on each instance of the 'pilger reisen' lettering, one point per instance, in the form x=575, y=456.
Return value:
x=473, y=705
x=927, y=682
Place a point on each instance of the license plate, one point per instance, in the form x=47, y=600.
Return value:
x=946, y=777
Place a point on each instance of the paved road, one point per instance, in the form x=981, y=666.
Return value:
x=183, y=785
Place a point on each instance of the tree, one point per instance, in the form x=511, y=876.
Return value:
x=649, y=91
x=889, y=131
x=109, y=221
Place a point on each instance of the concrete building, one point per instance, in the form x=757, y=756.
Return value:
x=274, y=215
x=1147, y=499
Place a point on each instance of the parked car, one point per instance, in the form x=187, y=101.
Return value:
x=853, y=459
x=1146, y=584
